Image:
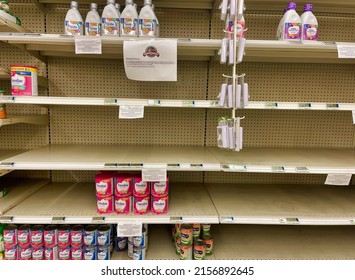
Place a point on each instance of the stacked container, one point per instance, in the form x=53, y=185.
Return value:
x=123, y=193
x=104, y=192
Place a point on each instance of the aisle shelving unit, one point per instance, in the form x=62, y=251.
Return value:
x=262, y=221
x=29, y=119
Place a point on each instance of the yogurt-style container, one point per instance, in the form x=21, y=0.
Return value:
x=141, y=205
x=104, y=184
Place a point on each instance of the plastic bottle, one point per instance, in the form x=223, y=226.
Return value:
x=118, y=8
x=93, y=22
x=129, y=20
x=147, y=20
x=73, y=24
x=280, y=27
x=110, y=21
x=291, y=24
x=309, y=24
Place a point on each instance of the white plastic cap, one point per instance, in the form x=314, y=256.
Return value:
x=74, y=4
x=147, y=2
x=129, y=2
x=117, y=6
x=111, y=2
x=93, y=6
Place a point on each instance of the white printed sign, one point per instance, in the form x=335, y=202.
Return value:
x=131, y=112
x=346, y=50
x=88, y=46
x=129, y=229
x=338, y=179
x=150, y=60
x=154, y=175
x=353, y=117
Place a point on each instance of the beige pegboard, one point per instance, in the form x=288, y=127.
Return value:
x=89, y=176
x=100, y=125
x=107, y=78
x=299, y=129
x=173, y=24
x=262, y=26
x=32, y=18
x=32, y=174
x=290, y=82
x=263, y=178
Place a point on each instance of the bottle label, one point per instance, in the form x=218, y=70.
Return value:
x=292, y=30
x=110, y=26
x=310, y=32
x=240, y=29
x=129, y=26
x=93, y=29
x=73, y=27
x=147, y=27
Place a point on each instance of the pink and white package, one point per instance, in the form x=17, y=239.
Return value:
x=160, y=205
x=123, y=184
x=140, y=188
x=104, y=184
x=160, y=188
x=123, y=204
x=105, y=205
x=141, y=205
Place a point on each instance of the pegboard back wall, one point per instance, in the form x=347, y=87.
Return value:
x=107, y=78
x=290, y=82
x=174, y=24
x=286, y=128
x=263, y=26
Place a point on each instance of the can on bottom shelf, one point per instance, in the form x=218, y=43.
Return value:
x=25, y=253
x=38, y=253
x=10, y=236
x=64, y=253
x=77, y=236
x=103, y=235
x=186, y=235
x=90, y=235
x=51, y=253
x=207, y=238
x=37, y=236
x=130, y=249
x=11, y=253
x=50, y=236
x=103, y=253
x=138, y=253
x=185, y=252
x=90, y=253
x=63, y=235
x=121, y=244
x=76, y=253
x=24, y=236
x=199, y=249
x=177, y=245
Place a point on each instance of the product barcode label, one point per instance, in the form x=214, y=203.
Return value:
x=110, y=165
x=110, y=101
x=332, y=106
x=302, y=169
x=304, y=105
x=227, y=219
x=271, y=105
x=124, y=165
x=58, y=220
x=7, y=163
x=196, y=165
x=98, y=220
x=6, y=219
x=278, y=169
x=188, y=103
x=154, y=102
x=176, y=219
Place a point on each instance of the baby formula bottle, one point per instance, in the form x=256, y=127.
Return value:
x=93, y=22
x=157, y=28
x=309, y=24
x=147, y=20
x=129, y=20
x=118, y=9
x=73, y=24
x=291, y=24
x=110, y=21
x=280, y=27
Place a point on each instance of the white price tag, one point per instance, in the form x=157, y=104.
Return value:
x=88, y=46
x=188, y=103
x=131, y=112
x=271, y=105
x=176, y=220
x=110, y=101
x=352, y=221
x=6, y=219
x=154, y=102
x=332, y=106
x=304, y=105
x=338, y=179
x=278, y=169
x=346, y=50
x=353, y=117
x=227, y=219
x=129, y=229
x=98, y=220
x=289, y=221
x=58, y=220
x=302, y=169
x=154, y=175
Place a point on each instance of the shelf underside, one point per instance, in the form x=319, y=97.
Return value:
x=184, y=158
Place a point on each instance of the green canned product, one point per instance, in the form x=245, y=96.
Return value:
x=206, y=228
x=185, y=252
x=207, y=238
x=177, y=245
x=196, y=231
x=199, y=249
x=186, y=235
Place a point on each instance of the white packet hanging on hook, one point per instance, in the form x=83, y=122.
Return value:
x=230, y=96
x=232, y=9
x=238, y=96
x=222, y=136
x=231, y=52
x=224, y=51
x=224, y=9
x=245, y=97
x=222, y=95
x=240, y=8
x=241, y=49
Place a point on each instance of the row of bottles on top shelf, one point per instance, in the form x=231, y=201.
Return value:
x=293, y=27
x=112, y=22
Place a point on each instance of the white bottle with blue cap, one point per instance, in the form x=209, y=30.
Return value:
x=309, y=24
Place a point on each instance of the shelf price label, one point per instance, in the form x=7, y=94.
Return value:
x=7, y=164
x=302, y=169
x=332, y=106
x=6, y=219
x=98, y=220
x=154, y=102
x=176, y=220
x=110, y=101
x=188, y=103
x=278, y=169
x=352, y=221
x=123, y=165
x=58, y=220
x=289, y=221
x=110, y=165
x=131, y=112
x=305, y=105
x=154, y=175
x=271, y=105
x=125, y=229
x=7, y=99
x=227, y=220
x=338, y=179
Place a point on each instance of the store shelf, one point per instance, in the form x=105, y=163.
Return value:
x=114, y=157
x=190, y=49
x=283, y=204
x=160, y=245
x=45, y=100
x=9, y=26
x=42, y=81
x=317, y=106
x=5, y=154
x=287, y=160
x=29, y=119
x=250, y=242
x=76, y=202
x=19, y=190
x=112, y=47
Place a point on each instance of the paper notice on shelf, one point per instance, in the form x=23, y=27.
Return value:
x=154, y=175
x=88, y=46
x=131, y=112
x=150, y=60
x=338, y=179
x=129, y=229
x=353, y=117
x=346, y=50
